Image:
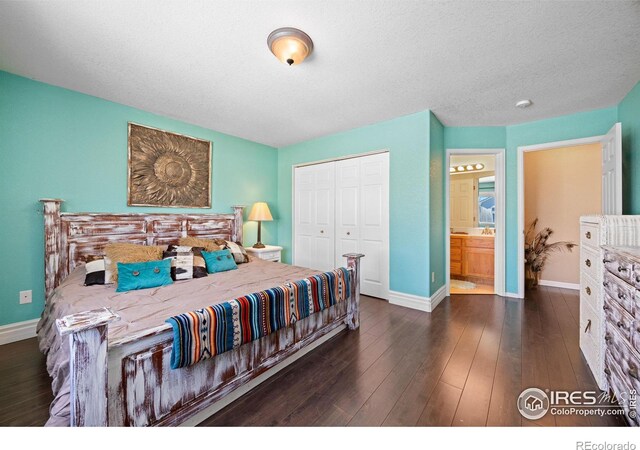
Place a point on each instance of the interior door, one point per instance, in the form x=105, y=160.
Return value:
x=315, y=216
x=461, y=202
x=612, y=171
x=374, y=225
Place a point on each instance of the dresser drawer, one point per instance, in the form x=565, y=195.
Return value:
x=620, y=292
x=590, y=235
x=589, y=292
x=270, y=256
x=618, y=320
x=591, y=351
x=590, y=262
x=635, y=276
x=590, y=325
x=456, y=254
x=619, y=266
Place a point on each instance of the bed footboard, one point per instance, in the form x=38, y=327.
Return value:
x=130, y=382
x=353, y=307
x=88, y=366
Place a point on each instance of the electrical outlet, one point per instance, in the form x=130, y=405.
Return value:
x=25, y=297
x=433, y=277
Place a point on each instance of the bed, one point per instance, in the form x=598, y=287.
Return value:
x=109, y=355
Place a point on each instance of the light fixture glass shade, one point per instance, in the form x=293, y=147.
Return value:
x=290, y=45
x=260, y=211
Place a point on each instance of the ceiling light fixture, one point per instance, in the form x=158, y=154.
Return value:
x=290, y=45
x=468, y=168
x=522, y=104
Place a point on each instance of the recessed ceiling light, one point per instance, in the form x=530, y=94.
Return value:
x=524, y=104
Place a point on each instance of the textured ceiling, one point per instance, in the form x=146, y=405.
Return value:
x=207, y=62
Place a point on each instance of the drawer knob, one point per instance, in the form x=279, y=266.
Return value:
x=605, y=307
x=633, y=372
x=638, y=279
x=588, y=234
x=605, y=283
x=321, y=231
x=588, y=262
x=622, y=269
x=607, y=261
x=622, y=296
x=607, y=338
x=621, y=325
x=588, y=327
x=348, y=233
x=588, y=290
x=607, y=371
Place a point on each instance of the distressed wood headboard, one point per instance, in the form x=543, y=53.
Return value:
x=72, y=238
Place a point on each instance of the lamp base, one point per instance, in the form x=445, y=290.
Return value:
x=258, y=245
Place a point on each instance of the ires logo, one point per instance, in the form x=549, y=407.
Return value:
x=574, y=398
x=534, y=403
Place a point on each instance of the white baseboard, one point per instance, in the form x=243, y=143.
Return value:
x=512, y=295
x=559, y=284
x=418, y=302
x=436, y=298
x=18, y=331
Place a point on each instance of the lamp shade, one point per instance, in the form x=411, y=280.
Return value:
x=260, y=211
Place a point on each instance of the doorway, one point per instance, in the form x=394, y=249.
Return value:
x=611, y=182
x=475, y=216
x=555, y=197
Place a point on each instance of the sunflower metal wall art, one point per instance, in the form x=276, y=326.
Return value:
x=168, y=169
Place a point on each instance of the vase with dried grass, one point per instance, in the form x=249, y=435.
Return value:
x=537, y=250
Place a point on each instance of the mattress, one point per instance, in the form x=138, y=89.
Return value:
x=142, y=310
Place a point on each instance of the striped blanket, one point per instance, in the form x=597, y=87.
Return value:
x=207, y=332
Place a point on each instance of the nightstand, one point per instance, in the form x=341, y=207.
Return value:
x=268, y=253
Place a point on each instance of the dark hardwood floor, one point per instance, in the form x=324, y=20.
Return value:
x=463, y=365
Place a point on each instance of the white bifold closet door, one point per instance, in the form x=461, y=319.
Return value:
x=315, y=216
x=361, y=218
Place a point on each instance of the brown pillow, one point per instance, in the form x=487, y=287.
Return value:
x=129, y=253
x=208, y=244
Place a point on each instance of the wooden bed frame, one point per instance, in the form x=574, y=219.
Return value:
x=128, y=381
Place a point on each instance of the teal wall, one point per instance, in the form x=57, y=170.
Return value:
x=572, y=126
x=475, y=137
x=629, y=115
x=59, y=143
x=436, y=203
x=407, y=139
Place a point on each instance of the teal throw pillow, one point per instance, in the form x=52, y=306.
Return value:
x=219, y=261
x=144, y=275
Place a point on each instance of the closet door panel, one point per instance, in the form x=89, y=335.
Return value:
x=315, y=216
x=374, y=224
x=347, y=209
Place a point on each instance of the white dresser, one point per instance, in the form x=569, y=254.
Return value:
x=596, y=231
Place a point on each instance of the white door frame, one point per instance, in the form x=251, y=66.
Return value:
x=500, y=231
x=340, y=158
x=521, y=151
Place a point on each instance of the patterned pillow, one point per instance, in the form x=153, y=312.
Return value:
x=186, y=262
x=238, y=251
x=95, y=272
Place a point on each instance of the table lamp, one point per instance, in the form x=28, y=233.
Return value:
x=260, y=212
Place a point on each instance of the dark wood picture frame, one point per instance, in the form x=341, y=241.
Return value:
x=167, y=169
